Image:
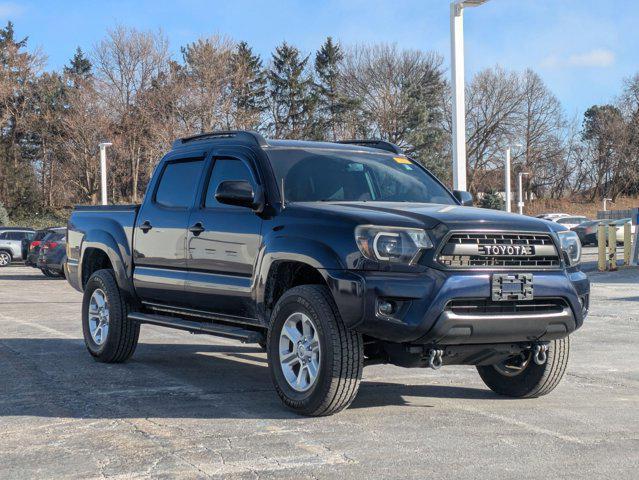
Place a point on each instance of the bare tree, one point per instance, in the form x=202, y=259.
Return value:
x=207, y=75
x=494, y=103
x=399, y=96
x=127, y=62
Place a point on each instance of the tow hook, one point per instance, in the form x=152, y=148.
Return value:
x=540, y=354
x=435, y=358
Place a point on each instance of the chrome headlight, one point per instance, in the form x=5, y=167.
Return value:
x=570, y=247
x=391, y=244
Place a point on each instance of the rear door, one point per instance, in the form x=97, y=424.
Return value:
x=222, y=257
x=159, y=241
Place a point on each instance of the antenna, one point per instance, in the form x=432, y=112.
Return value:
x=283, y=198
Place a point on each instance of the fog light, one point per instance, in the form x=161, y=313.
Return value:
x=385, y=307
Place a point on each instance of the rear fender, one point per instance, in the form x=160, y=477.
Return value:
x=116, y=247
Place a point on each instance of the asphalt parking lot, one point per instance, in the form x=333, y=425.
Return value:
x=191, y=406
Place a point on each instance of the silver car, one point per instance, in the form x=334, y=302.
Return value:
x=11, y=244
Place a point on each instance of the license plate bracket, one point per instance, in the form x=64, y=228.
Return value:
x=512, y=286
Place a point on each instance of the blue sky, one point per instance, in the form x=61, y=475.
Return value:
x=583, y=49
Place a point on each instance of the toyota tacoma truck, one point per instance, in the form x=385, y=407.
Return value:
x=331, y=256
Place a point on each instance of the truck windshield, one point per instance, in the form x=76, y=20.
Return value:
x=312, y=175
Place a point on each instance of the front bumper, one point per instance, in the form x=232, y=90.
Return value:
x=423, y=315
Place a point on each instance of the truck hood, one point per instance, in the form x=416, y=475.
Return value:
x=429, y=215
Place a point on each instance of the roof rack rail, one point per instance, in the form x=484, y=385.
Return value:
x=379, y=144
x=256, y=137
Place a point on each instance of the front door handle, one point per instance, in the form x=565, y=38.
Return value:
x=146, y=226
x=197, y=229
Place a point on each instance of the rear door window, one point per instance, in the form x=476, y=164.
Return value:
x=16, y=235
x=178, y=183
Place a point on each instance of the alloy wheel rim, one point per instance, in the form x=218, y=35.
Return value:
x=4, y=259
x=300, y=352
x=513, y=366
x=99, y=316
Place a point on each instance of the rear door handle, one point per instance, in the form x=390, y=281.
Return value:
x=197, y=229
x=146, y=226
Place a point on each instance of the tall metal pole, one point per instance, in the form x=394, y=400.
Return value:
x=520, y=203
x=103, y=173
x=459, y=101
x=507, y=181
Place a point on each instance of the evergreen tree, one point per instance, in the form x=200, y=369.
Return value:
x=248, y=87
x=332, y=105
x=18, y=187
x=492, y=200
x=291, y=94
x=79, y=67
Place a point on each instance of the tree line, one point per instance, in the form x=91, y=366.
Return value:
x=131, y=91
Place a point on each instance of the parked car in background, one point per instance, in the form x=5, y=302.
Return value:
x=587, y=231
x=571, y=221
x=551, y=216
x=11, y=243
x=32, y=247
x=53, y=253
x=619, y=225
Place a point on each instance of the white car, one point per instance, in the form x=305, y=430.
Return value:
x=571, y=221
x=552, y=216
x=619, y=225
x=11, y=244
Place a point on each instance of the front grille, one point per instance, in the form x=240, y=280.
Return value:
x=499, y=250
x=480, y=306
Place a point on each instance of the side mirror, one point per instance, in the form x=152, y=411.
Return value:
x=465, y=198
x=240, y=193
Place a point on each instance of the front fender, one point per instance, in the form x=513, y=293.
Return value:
x=296, y=249
x=312, y=252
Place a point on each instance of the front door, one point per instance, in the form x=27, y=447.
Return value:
x=222, y=246
x=160, y=233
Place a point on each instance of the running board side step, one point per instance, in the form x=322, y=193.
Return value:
x=217, y=329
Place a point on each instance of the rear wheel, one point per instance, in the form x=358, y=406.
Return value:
x=316, y=363
x=519, y=376
x=109, y=335
x=5, y=258
x=51, y=273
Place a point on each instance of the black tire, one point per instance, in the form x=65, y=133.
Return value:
x=534, y=380
x=5, y=258
x=123, y=334
x=341, y=354
x=50, y=273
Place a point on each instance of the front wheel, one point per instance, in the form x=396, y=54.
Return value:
x=519, y=376
x=316, y=363
x=109, y=335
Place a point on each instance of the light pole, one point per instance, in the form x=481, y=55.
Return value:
x=459, y=102
x=507, y=178
x=103, y=174
x=520, y=203
x=605, y=203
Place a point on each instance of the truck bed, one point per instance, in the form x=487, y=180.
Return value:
x=91, y=223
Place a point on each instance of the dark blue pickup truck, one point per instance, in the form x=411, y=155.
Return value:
x=332, y=256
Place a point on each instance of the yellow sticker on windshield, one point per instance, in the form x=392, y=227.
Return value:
x=402, y=160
